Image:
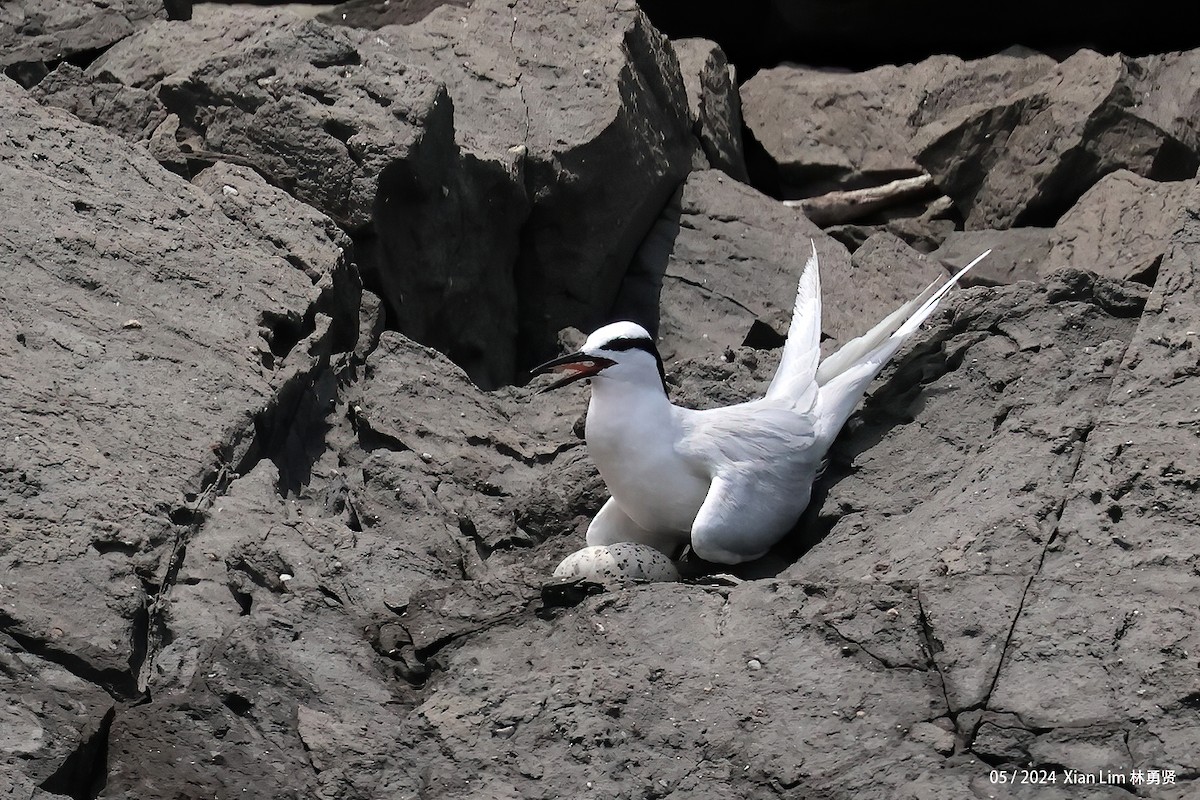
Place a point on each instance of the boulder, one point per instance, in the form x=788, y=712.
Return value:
x=1168, y=94
x=53, y=723
x=829, y=129
x=592, y=99
x=375, y=14
x=1111, y=615
x=1018, y=254
x=460, y=174
x=1121, y=226
x=1026, y=157
x=714, y=105
x=153, y=52
x=38, y=35
x=369, y=140
x=151, y=341
x=253, y=543
x=132, y=112
x=720, y=270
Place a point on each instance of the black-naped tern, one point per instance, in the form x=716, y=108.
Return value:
x=730, y=481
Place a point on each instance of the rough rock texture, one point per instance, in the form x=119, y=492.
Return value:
x=714, y=105
x=1128, y=538
x=374, y=14
x=1018, y=254
x=1169, y=95
x=1025, y=159
x=165, y=47
x=1120, y=226
x=36, y=35
x=116, y=350
x=720, y=269
x=824, y=129
x=594, y=99
x=132, y=112
x=255, y=542
x=455, y=147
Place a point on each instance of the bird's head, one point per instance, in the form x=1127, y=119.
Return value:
x=622, y=351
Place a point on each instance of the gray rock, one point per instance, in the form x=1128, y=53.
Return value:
x=163, y=47
x=375, y=14
x=923, y=228
x=52, y=721
x=1018, y=254
x=725, y=272
x=299, y=235
x=37, y=35
x=255, y=545
x=828, y=130
x=714, y=104
x=471, y=213
x=987, y=495
x=133, y=113
x=368, y=139
x=1025, y=158
x=1126, y=541
x=595, y=98
x=149, y=339
x=297, y=105
x=1121, y=226
x=1168, y=95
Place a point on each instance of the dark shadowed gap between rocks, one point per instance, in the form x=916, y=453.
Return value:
x=30, y=73
x=84, y=773
x=860, y=35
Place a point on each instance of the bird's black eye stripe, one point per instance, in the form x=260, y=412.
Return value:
x=629, y=343
x=623, y=343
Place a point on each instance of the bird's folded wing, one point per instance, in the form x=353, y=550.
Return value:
x=745, y=514
x=755, y=435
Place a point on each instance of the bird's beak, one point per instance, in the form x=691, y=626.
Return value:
x=576, y=366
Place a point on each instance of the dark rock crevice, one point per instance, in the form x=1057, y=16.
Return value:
x=84, y=774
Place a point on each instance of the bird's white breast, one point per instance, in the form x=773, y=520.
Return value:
x=631, y=436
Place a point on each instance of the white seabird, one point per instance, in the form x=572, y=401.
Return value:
x=730, y=481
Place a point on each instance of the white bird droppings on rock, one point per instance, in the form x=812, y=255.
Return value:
x=614, y=563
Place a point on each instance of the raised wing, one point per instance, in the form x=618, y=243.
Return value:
x=844, y=376
x=802, y=350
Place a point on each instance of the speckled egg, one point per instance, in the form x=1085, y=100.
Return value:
x=614, y=563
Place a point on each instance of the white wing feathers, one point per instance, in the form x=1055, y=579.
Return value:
x=844, y=376
x=798, y=366
x=760, y=460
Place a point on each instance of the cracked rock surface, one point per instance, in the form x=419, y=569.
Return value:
x=263, y=534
